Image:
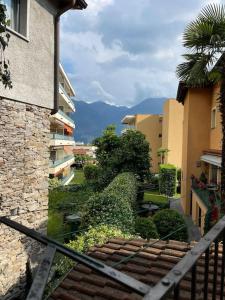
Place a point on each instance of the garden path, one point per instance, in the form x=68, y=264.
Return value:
x=193, y=230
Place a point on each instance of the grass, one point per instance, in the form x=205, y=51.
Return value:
x=78, y=177
x=156, y=199
x=64, y=202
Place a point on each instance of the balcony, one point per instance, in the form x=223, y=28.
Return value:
x=63, y=117
x=174, y=270
x=66, y=97
x=58, y=165
x=57, y=139
x=66, y=180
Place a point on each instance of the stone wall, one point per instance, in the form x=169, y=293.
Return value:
x=24, y=159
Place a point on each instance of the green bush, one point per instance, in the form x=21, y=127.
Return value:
x=146, y=228
x=115, y=205
x=160, y=200
x=168, y=221
x=94, y=236
x=53, y=183
x=167, y=179
x=91, y=172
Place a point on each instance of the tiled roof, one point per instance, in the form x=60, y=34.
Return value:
x=148, y=266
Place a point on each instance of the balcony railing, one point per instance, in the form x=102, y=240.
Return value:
x=66, y=178
x=205, y=255
x=57, y=136
x=65, y=116
x=55, y=163
x=69, y=100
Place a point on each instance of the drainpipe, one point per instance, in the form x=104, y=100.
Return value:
x=57, y=53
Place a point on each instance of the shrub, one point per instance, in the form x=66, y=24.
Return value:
x=146, y=228
x=91, y=172
x=168, y=221
x=94, y=236
x=53, y=183
x=115, y=205
x=160, y=200
x=167, y=180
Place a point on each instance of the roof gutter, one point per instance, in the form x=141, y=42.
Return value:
x=74, y=4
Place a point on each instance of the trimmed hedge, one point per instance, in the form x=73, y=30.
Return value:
x=115, y=205
x=160, y=200
x=168, y=221
x=146, y=228
x=167, y=180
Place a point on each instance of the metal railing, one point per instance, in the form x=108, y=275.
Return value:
x=57, y=136
x=66, y=178
x=55, y=163
x=67, y=96
x=207, y=250
x=65, y=116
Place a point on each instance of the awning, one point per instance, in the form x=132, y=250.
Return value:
x=68, y=129
x=212, y=160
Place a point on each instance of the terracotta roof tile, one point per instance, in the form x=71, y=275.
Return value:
x=149, y=265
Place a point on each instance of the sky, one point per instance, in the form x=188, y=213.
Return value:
x=124, y=51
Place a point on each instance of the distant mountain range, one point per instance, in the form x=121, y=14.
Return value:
x=92, y=118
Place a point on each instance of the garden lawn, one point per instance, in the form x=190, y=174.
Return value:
x=160, y=200
x=63, y=202
x=78, y=177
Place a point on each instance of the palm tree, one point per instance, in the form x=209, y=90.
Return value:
x=205, y=40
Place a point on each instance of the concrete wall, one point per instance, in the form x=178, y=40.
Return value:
x=196, y=138
x=151, y=127
x=24, y=159
x=172, y=131
x=32, y=60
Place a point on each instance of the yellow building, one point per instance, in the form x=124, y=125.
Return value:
x=151, y=127
x=172, y=131
x=161, y=131
x=201, y=149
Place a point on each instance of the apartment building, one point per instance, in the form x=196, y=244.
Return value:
x=62, y=129
x=172, y=132
x=25, y=111
x=201, y=154
x=162, y=132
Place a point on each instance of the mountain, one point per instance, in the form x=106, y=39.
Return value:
x=92, y=118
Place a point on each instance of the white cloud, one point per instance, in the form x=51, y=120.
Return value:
x=100, y=91
x=96, y=6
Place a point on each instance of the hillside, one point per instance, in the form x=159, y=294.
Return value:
x=92, y=118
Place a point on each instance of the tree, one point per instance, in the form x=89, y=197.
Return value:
x=5, y=76
x=205, y=40
x=162, y=152
x=126, y=153
x=80, y=160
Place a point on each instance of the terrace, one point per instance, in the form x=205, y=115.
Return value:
x=135, y=269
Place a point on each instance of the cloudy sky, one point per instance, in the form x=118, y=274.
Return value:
x=123, y=51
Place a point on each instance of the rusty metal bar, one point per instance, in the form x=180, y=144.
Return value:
x=40, y=280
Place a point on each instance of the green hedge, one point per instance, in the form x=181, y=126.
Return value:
x=167, y=179
x=94, y=236
x=115, y=205
x=146, y=228
x=160, y=200
x=168, y=221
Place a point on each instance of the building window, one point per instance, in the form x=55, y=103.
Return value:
x=213, y=177
x=213, y=118
x=160, y=135
x=199, y=217
x=17, y=12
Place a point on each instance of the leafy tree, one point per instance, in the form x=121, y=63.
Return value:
x=162, y=152
x=126, y=153
x=5, y=76
x=81, y=159
x=205, y=40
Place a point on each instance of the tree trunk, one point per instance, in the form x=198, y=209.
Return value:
x=222, y=110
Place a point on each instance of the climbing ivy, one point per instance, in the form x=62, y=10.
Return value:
x=5, y=76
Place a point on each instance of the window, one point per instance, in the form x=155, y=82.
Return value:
x=213, y=177
x=17, y=11
x=199, y=217
x=160, y=135
x=213, y=118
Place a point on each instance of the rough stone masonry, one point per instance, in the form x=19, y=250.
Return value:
x=24, y=159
